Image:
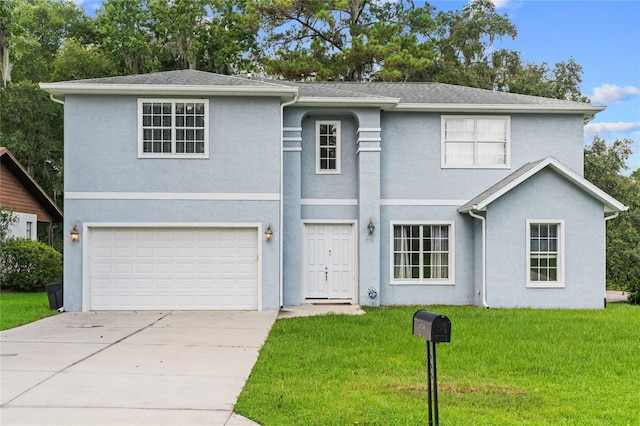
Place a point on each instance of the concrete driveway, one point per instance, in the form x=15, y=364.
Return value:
x=129, y=368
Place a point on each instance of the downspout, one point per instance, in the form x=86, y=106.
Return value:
x=281, y=224
x=606, y=219
x=484, y=257
x=56, y=100
x=61, y=102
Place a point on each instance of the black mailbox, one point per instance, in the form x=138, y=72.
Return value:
x=433, y=327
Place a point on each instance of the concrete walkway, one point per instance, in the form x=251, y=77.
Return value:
x=129, y=368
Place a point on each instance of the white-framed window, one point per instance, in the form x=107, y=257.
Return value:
x=422, y=252
x=476, y=141
x=29, y=233
x=173, y=128
x=545, y=253
x=327, y=147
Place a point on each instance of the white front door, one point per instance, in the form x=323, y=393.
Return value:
x=329, y=262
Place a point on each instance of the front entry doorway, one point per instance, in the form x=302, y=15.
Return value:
x=329, y=254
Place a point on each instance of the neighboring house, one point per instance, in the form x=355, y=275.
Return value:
x=194, y=190
x=20, y=193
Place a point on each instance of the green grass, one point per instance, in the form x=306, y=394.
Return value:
x=502, y=367
x=22, y=308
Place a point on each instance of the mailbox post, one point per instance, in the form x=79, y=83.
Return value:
x=434, y=328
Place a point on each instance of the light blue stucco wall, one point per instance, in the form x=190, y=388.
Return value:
x=101, y=149
x=101, y=155
x=409, y=169
x=353, y=196
x=411, y=154
x=318, y=186
x=549, y=196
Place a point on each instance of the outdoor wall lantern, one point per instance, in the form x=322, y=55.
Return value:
x=268, y=233
x=371, y=226
x=74, y=234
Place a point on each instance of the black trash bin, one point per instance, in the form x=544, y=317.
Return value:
x=54, y=291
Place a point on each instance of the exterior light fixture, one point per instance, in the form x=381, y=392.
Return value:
x=268, y=233
x=74, y=234
x=371, y=226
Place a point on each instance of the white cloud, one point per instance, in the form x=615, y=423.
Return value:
x=499, y=4
x=612, y=93
x=592, y=129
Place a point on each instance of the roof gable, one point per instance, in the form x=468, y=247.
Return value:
x=15, y=168
x=481, y=202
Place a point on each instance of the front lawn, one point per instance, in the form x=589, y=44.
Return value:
x=502, y=367
x=22, y=308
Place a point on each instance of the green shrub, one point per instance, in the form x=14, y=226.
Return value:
x=27, y=265
x=7, y=219
x=633, y=274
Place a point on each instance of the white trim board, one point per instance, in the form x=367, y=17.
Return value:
x=421, y=202
x=207, y=196
x=328, y=202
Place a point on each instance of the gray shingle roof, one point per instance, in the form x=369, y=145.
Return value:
x=331, y=90
x=427, y=96
x=178, y=78
x=440, y=93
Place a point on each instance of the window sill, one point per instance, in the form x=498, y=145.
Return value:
x=542, y=285
x=174, y=156
x=427, y=283
x=496, y=167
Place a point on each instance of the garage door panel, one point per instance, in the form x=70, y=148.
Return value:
x=173, y=268
x=142, y=284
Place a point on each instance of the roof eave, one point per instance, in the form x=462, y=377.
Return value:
x=586, y=109
x=382, y=103
x=61, y=90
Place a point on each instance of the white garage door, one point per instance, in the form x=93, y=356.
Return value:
x=173, y=268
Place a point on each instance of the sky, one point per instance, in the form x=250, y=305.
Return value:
x=603, y=36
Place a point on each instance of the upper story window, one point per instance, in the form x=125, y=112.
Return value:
x=422, y=253
x=545, y=253
x=173, y=128
x=328, y=147
x=480, y=142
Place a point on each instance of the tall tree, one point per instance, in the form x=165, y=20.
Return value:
x=561, y=82
x=229, y=39
x=177, y=26
x=464, y=43
x=350, y=40
x=603, y=166
x=125, y=32
x=43, y=26
x=158, y=35
x=7, y=30
x=75, y=62
x=31, y=128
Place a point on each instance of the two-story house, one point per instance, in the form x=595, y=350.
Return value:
x=193, y=190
